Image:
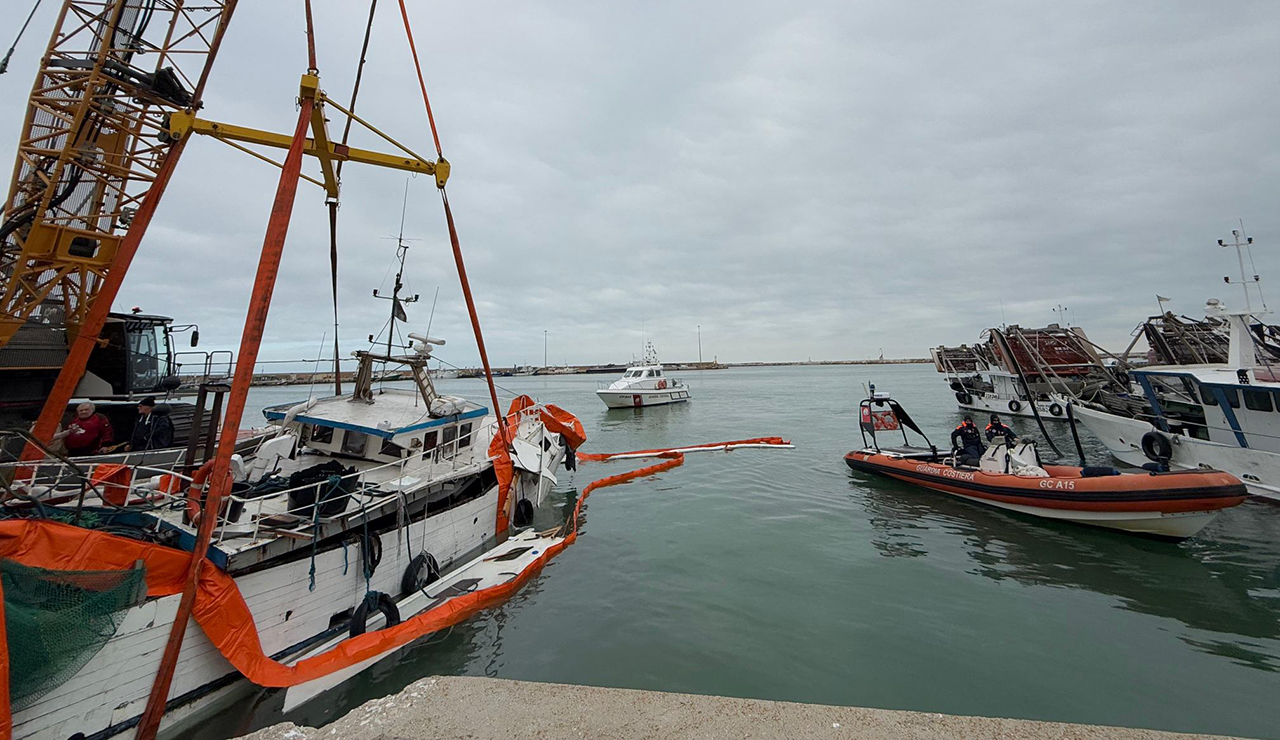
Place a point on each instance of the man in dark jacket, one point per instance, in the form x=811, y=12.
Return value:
x=968, y=440
x=997, y=428
x=153, y=430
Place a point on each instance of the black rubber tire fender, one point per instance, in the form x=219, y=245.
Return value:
x=1055, y=409
x=423, y=571
x=1157, y=447
x=964, y=398
x=523, y=515
x=374, y=600
x=1015, y=405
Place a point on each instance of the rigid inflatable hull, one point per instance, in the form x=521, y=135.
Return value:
x=1171, y=505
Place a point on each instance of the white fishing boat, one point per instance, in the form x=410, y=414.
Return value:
x=339, y=525
x=1220, y=415
x=1015, y=370
x=642, y=385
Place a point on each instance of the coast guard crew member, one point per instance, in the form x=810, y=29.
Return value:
x=969, y=441
x=997, y=428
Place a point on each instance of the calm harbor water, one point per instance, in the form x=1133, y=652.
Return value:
x=782, y=575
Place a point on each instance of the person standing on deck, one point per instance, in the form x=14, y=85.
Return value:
x=997, y=428
x=968, y=440
x=87, y=433
x=153, y=430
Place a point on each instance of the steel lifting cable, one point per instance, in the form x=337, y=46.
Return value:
x=4, y=63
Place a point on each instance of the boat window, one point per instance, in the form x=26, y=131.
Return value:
x=353, y=442
x=650, y=375
x=1257, y=400
x=148, y=357
x=390, y=449
x=464, y=438
x=448, y=434
x=321, y=434
x=429, y=441
x=1211, y=399
x=657, y=373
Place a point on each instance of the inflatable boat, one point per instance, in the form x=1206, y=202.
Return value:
x=1172, y=505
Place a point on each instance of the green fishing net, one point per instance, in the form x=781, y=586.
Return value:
x=56, y=620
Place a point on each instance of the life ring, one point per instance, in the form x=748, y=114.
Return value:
x=373, y=600
x=964, y=398
x=1156, y=447
x=423, y=571
x=1015, y=405
x=1055, y=409
x=662, y=384
x=194, y=490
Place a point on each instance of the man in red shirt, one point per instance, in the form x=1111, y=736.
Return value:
x=87, y=433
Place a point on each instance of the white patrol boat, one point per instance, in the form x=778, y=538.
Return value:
x=643, y=385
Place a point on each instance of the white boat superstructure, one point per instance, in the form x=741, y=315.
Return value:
x=1224, y=416
x=367, y=498
x=642, y=385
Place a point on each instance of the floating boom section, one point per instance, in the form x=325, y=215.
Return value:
x=92, y=145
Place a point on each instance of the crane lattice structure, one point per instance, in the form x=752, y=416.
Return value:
x=93, y=144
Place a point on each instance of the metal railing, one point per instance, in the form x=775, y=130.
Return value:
x=52, y=481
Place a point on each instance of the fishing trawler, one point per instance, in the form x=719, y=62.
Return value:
x=643, y=384
x=1016, y=371
x=1223, y=413
x=1172, y=505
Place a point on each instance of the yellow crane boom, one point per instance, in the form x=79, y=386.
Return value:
x=91, y=146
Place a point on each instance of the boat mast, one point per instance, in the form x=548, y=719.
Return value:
x=402, y=250
x=1244, y=281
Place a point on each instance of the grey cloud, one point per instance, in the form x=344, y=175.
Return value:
x=816, y=179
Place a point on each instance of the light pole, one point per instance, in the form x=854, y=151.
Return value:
x=699, y=344
x=544, y=348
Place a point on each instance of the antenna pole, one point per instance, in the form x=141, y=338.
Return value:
x=1244, y=284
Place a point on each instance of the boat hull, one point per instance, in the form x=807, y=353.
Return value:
x=1122, y=436
x=639, y=398
x=1169, y=505
x=994, y=405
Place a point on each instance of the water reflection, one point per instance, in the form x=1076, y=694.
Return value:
x=1212, y=583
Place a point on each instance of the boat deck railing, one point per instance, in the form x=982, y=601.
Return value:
x=607, y=385
x=165, y=493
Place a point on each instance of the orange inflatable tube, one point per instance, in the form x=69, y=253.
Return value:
x=220, y=609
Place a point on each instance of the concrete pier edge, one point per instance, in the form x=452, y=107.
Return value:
x=500, y=709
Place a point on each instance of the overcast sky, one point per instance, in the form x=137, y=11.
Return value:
x=803, y=180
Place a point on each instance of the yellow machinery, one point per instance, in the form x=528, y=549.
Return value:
x=91, y=146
